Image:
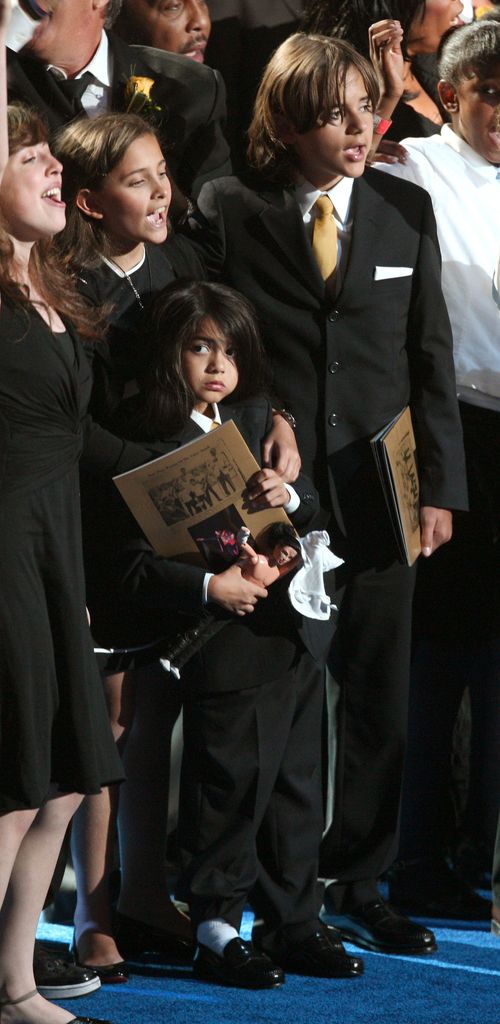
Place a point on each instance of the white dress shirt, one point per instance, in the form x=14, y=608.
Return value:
x=340, y=195
x=96, y=98
x=465, y=193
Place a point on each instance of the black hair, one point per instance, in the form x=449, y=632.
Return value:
x=351, y=19
x=469, y=50
x=174, y=319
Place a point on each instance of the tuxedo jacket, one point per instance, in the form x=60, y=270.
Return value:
x=346, y=366
x=191, y=98
x=136, y=596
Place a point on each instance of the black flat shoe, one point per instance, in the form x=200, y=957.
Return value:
x=135, y=939
x=377, y=926
x=109, y=974
x=240, y=966
x=320, y=955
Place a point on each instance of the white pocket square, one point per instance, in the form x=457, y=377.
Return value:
x=382, y=273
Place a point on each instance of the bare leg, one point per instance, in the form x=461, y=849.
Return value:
x=30, y=842
x=92, y=843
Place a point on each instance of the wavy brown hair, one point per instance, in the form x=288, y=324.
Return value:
x=47, y=270
x=89, y=149
x=301, y=85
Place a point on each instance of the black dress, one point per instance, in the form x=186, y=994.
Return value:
x=54, y=726
x=121, y=357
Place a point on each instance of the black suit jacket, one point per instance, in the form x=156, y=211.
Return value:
x=136, y=596
x=191, y=98
x=346, y=366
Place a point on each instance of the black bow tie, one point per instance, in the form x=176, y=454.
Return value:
x=74, y=88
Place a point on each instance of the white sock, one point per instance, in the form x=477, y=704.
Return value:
x=215, y=934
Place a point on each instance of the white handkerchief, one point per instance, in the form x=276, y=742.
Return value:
x=307, y=590
x=383, y=273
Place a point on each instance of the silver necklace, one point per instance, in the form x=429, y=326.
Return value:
x=129, y=279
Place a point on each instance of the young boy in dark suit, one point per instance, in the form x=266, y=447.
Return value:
x=349, y=297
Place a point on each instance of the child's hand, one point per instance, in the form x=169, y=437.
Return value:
x=234, y=593
x=280, y=449
x=389, y=152
x=266, y=489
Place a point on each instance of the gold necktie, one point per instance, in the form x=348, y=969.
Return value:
x=324, y=239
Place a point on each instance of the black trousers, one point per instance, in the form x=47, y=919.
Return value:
x=370, y=660
x=251, y=802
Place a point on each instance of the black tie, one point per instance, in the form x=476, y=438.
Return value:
x=74, y=88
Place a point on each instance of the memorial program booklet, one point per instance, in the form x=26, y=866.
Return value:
x=394, y=451
x=190, y=502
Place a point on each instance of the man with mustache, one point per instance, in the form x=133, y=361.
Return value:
x=180, y=26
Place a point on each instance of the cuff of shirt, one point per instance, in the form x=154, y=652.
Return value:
x=206, y=581
x=294, y=502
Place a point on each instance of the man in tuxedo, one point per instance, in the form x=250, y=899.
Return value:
x=74, y=41
x=349, y=297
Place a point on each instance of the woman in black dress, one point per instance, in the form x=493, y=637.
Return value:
x=55, y=741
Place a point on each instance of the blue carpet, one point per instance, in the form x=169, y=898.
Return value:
x=459, y=984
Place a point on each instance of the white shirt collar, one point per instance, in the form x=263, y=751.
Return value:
x=206, y=422
x=99, y=66
x=340, y=195
x=473, y=159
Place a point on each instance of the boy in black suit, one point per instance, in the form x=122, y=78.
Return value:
x=356, y=328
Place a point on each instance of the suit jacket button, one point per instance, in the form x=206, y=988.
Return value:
x=333, y=419
x=333, y=367
x=333, y=315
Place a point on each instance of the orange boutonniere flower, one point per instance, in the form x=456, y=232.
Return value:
x=138, y=95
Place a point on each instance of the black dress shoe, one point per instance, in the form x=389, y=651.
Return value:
x=135, y=939
x=376, y=926
x=110, y=974
x=429, y=888
x=320, y=955
x=55, y=978
x=240, y=966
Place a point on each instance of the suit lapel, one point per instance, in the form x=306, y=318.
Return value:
x=282, y=219
x=37, y=87
x=366, y=213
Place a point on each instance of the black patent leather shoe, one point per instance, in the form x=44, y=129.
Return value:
x=320, y=955
x=378, y=927
x=240, y=966
x=110, y=974
x=135, y=939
